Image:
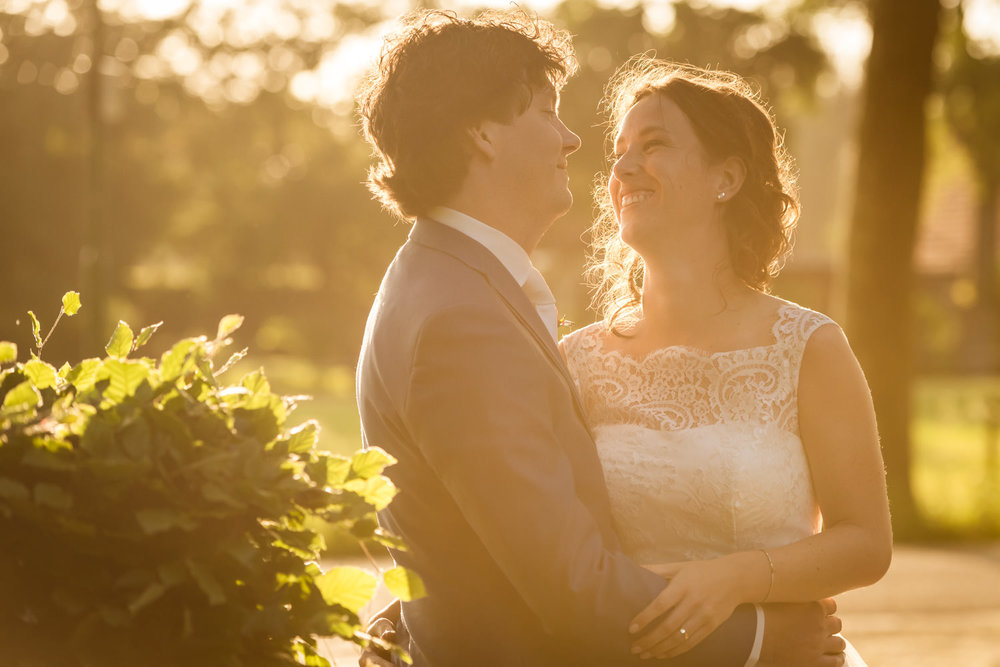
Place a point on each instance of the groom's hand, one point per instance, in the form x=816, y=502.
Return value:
x=802, y=635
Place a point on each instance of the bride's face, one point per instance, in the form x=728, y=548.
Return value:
x=662, y=181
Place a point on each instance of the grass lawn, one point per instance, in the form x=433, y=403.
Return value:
x=956, y=453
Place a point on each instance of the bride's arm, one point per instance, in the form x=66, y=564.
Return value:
x=838, y=432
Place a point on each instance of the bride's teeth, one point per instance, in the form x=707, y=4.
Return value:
x=635, y=198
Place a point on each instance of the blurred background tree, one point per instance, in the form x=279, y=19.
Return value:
x=197, y=177
x=884, y=228
x=181, y=159
x=972, y=109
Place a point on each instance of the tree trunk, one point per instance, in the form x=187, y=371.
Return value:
x=985, y=331
x=883, y=233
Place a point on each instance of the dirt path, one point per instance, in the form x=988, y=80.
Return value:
x=939, y=606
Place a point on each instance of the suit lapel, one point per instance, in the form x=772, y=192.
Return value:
x=435, y=235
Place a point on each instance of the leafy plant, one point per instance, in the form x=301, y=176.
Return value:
x=152, y=515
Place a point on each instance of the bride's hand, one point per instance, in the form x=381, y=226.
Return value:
x=701, y=595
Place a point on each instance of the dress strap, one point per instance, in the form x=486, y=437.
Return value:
x=792, y=330
x=576, y=348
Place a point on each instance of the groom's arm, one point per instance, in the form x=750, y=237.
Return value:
x=479, y=405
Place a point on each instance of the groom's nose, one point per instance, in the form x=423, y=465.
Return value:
x=571, y=142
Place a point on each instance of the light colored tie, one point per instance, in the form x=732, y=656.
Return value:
x=545, y=303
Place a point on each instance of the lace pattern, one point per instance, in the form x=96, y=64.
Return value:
x=700, y=450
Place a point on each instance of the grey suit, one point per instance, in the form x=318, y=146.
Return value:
x=502, y=500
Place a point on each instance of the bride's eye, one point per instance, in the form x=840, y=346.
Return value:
x=652, y=143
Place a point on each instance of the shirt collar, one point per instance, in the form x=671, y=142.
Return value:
x=507, y=250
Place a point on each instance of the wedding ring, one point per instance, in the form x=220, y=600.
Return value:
x=684, y=633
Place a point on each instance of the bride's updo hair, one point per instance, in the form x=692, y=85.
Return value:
x=730, y=120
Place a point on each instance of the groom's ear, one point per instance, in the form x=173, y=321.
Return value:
x=483, y=139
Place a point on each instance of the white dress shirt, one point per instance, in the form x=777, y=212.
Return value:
x=513, y=257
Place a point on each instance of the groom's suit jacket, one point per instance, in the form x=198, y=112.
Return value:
x=502, y=500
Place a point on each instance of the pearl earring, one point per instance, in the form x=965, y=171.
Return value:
x=721, y=196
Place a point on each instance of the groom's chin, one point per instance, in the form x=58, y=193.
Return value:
x=565, y=205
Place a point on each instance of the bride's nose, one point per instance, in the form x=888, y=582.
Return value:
x=624, y=165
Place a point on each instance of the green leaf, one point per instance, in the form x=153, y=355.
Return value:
x=236, y=357
x=116, y=617
x=172, y=573
x=125, y=376
x=22, y=397
x=45, y=454
x=389, y=540
x=214, y=493
x=121, y=341
x=152, y=593
x=12, y=489
x=135, y=440
x=305, y=546
x=50, y=444
x=370, y=462
x=43, y=375
x=155, y=520
x=227, y=325
x=71, y=303
x=179, y=360
x=8, y=351
x=350, y=587
x=207, y=582
x=52, y=496
x=69, y=601
x=306, y=655
x=36, y=329
x=83, y=376
x=145, y=334
x=377, y=491
x=303, y=438
x=329, y=469
x=400, y=652
x=258, y=386
x=205, y=368
x=404, y=584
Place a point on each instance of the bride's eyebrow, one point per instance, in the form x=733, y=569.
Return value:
x=653, y=129
x=644, y=133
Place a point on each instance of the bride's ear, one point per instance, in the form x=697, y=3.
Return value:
x=731, y=176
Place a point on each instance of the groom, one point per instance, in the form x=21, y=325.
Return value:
x=502, y=500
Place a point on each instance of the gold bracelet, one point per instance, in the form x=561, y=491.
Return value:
x=770, y=563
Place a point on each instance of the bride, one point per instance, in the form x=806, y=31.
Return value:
x=736, y=430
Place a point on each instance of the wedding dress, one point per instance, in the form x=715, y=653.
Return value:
x=700, y=450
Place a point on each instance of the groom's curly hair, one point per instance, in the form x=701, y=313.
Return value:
x=438, y=76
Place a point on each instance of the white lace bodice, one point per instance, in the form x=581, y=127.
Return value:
x=700, y=450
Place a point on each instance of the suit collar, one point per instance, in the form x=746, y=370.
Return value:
x=433, y=234
x=510, y=253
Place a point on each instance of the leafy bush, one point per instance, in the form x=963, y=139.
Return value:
x=152, y=516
